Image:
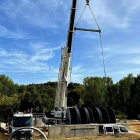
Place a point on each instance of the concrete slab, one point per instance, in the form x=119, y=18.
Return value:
x=54, y=131
x=66, y=131
x=73, y=130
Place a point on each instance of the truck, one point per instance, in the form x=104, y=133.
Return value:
x=19, y=120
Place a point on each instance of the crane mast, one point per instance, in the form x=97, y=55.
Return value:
x=61, y=90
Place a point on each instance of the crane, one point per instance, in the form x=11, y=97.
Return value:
x=61, y=90
x=74, y=115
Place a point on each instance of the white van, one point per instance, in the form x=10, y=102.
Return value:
x=114, y=128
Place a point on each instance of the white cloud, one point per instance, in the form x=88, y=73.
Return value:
x=113, y=50
x=107, y=15
x=77, y=74
x=80, y=72
x=42, y=52
x=43, y=56
x=3, y=31
x=3, y=52
x=121, y=49
x=20, y=61
x=133, y=60
x=131, y=6
x=49, y=14
x=43, y=13
x=124, y=72
x=18, y=34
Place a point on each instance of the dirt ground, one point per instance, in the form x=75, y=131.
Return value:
x=104, y=137
x=134, y=126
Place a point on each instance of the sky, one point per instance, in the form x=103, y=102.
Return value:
x=32, y=33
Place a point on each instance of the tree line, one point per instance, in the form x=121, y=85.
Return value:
x=123, y=97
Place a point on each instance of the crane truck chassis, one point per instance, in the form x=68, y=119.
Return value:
x=74, y=115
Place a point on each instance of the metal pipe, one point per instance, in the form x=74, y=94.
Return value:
x=90, y=30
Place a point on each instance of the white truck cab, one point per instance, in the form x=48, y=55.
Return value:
x=21, y=119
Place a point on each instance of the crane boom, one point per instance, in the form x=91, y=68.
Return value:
x=61, y=90
x=71, y=26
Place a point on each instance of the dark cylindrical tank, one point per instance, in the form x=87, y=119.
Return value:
x=91, y=115
x=73, y=116
x=97, y=115
x=111, y=115
x=105, y=115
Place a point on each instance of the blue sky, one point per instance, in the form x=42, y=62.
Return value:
x=33, y=31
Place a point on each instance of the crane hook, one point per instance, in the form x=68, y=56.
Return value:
x=87, y=2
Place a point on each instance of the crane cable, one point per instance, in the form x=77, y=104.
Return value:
x=81, y=15
x=74, y=41
x=103, y=56
x=72, y=55
x=100, y=41
x=87, y=4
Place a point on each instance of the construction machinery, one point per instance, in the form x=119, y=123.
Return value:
x=74, y=115
x=22, y=120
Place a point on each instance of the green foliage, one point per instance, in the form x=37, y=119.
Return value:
x=80, y=90
x=7, y=86
x=70, y=101
x=80, y=103
x=73, y=95
x=95, y=91
x=120, y=115
x=123, y=96
x=117, y=135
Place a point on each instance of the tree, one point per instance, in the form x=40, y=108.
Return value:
x=70, y=102
x=81, y=91
x=108, y=81
x=72, y=96
x=26, y=101
x=22, y=89
x=80, y=103
x=95, y=91
x=125, y=91
x=112, y=96
x=134, y=99
x=51, y=92
x=7, y=86
x=47, y=102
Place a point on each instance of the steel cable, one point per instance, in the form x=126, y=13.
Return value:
x=81, y=15
x=103, y=55
x=99, y=34
x=100, y=41
x=72, y=54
